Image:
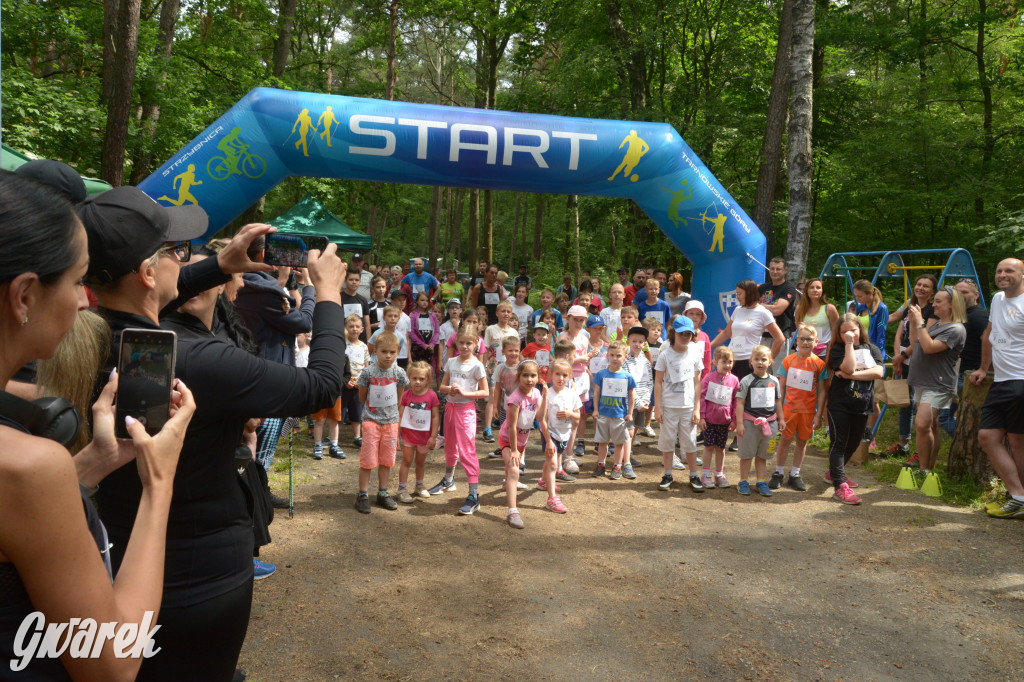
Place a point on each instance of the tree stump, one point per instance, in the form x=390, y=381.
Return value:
x=966, y=458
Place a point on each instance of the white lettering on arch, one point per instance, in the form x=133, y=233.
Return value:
x=535, y=151
x=491, y=146
x=355, y=126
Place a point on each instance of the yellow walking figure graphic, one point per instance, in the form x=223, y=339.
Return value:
x=183, y=183
x=326, y=123
x=719, y=223
x=635, y=149
x=678, y=197
x=303, y=122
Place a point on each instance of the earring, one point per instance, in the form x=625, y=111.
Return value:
x=24, y=321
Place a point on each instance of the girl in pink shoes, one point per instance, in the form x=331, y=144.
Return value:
x=526, y=404
x=718, y=415
x=417, y=432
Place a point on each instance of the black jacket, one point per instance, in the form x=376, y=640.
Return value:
x=261, y=304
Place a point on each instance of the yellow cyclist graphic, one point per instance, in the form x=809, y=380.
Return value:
x=678, y=197
x=635, y=149
x=326, y=123
x=183, y=183
x=303, y=122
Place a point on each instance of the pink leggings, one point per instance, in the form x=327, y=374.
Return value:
x=460, y=438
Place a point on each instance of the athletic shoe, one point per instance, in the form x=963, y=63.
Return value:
x=440, y=443
x=515, y=520
x=797, y=483
x=599, y=470
x=700, y=462
x=335, y=452
x=443, y=487
x=262, y=569
x=695, y=484
x=404, y=497
x=421, y=491
x=358, y=441
x=649, y=432
x=897, y=450
x=678, y=463
x=571, y=467
x=849, y=481
x=494, y=454
x=495, y=424
x=519, y=485
x=580, y=449
x=488, y=435
x=776, y=481
x=318, y=451
x=471, y=504
x=564, y=477
x=628, y=472
x=763, y=488
x=543, y=486
x=635, y=463
x=913, y=461
x=666, y=482
x=1013, y=509
x=721, y=481
x=363, y=504
x=616, y=473
x=385, y=501
x=734, y=447
x=555, y=504
x=707, y=479
x=845, y=495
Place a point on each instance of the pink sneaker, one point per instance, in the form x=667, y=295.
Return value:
x=849, y=481
x=845, y=495
x=555, y=505
x=542, y=486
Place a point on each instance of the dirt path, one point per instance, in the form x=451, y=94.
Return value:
x=636, y=583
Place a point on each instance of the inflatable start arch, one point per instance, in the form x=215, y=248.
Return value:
x=273, y=134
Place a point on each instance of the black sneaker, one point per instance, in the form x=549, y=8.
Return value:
x=363, y=503
x=278, y=502
x=599, y=470
x=797, y=483
x=335, y=452
x=734, y=446
x=666, y=482
x=695, y=484
x=776, y=481
x=318, y=451
x=386, y=501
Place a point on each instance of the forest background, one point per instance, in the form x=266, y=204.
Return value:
x=917, y=128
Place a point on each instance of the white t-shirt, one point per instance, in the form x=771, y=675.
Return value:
x=465, y=375
x=680, y=370
x=302, y=356
x=1007, y=336
x=524, y=313
x=612, y=321
x=561, y=429
x=493, y=337
x=403, y=327
x=748, y=324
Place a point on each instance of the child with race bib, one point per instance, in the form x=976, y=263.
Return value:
x=576, y=319
x=425, y=331
x=803, y=389
x=564, y=407
x=718, y=415
x=539, y=349
x=640, y=369
x=381, y=386
x=465, y=381
x=614, y=399
x=418, y=423
x=759, y=417
x=526, y=404
x=676, y=386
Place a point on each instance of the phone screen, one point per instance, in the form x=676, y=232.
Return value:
x=145, y=374
x=291, y=250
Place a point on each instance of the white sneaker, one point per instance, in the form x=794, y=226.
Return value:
x=649, y=432
x=570, y=466
x=678, y=463
x=519, y=485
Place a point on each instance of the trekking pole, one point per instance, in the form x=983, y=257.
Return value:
x=291, y=477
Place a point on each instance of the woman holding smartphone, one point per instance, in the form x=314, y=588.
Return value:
x=52, y=547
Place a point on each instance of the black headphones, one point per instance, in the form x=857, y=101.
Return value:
x=53, y=418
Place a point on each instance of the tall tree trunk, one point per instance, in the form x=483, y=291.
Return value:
x=475, y=253
x=771, y=147
x=632, y=59
x=567, y=247
x=538, y=227
x=988, y=139
x=515, y=235
x=115, y=138
x=283, y=44
x=142, y=159
x=800, y=158
x=575, y=216
x=455, y=233
x=110, y=47
x=433, y=227
x=487, y=238
x=392, y=52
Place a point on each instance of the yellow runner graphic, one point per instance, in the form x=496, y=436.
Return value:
x=183, y=183
x=637, y=148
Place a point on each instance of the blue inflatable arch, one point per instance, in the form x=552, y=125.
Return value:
x=273, y=134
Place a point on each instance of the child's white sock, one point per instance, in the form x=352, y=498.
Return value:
x=780, y=470
x=794, y=471
x=334, y=442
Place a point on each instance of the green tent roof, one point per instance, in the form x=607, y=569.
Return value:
x=309, y=216
x=11, y=158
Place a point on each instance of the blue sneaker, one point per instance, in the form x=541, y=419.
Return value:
x=762, y=487
x=444, y=486
x=488, y=435
x=262, y=569
x=471, y=505
x=743, y=488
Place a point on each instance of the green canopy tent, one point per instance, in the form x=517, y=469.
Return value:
x=309, y=216
x=12, y=158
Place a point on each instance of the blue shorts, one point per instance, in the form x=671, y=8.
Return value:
x=588, y=406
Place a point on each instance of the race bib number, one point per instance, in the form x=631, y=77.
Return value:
x=637, y=372
x=598, y=363
x=353, y=309
x=356, y=355
x=543, y=358
x=615, y=388
x=800, y=379
x=582, y=384
x=762, y=397
x=384, y=396
x=526, y=417
x=654, y=315
x=416, y=419
x=424, y=324
x=719, y=394
x=492, y=298
x=680, y=371
x=560, y=424
x=864, y=359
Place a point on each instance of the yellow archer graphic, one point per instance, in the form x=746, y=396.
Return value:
x=326, y=123
x=183, y=183
x=637, y=148
x=719, y=222
x=303, y=122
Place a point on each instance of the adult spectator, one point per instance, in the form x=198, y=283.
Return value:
x=780, y=297
x=55, y=174
x=209, y=567
x=623, y=274
x=639, y=281
x=1002, y=415
x=52, y=542
x=478, y=276
x=522, y=278
x=935, y=356
x=662, y=277
x=815, y=310
x=567, y=288
x=748, y=323
x=395, y=283
x=970, y=356
x=353, y=303
x=365, y=275
x=419, y=281
x=488, y=294
x=450, y=288
x=674, y=295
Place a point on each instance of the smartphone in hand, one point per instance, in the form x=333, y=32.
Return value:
x=145, y=370
x=291, y=250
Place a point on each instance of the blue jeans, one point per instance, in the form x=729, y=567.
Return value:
x=947, y=417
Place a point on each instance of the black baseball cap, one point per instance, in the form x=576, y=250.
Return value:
x=125, y=226
x=57, y=175
x=357, y=256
